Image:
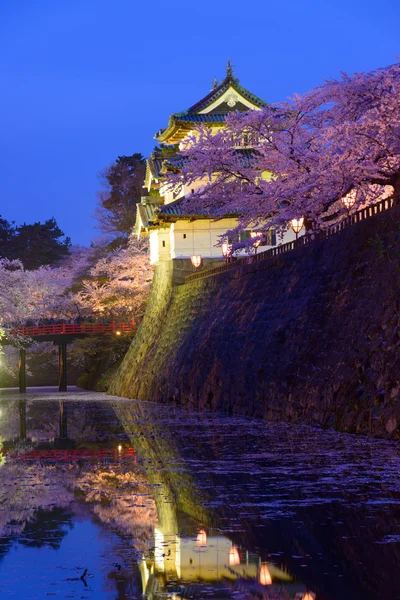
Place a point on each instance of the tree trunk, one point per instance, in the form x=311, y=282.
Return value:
x=396, y=185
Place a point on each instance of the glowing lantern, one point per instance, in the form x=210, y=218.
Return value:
x=264, y=576
x=201, y=539
x=118, y=332
x=254, y=234
x=226, y=250
x=297, y=225
x=308, y=596
x=349, y=200
x=234, y=558
x=196, y=260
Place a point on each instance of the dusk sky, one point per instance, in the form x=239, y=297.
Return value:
x=83, y=81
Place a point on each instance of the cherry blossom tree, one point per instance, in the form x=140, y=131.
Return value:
x=105, y=282
x=91, y=282
x=118, y=283
x=36, y=294
x=28, y=296
x=300, y=157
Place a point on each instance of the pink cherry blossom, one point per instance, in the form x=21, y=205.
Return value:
x=317, y=147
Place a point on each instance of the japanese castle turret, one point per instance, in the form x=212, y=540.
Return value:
x=174, y=231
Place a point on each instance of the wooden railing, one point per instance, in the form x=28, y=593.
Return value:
x=75, y=329
x=53, y=454
x=304, y=240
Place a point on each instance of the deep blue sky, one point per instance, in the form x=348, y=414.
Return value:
x=83, y=81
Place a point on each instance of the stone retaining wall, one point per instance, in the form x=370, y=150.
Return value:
x=311, y=336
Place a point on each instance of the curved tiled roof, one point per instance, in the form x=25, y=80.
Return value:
x=190, y=116
x=178, y=209
x=155, y=164
x=221, y=89
x=207, y=118
x=172, y=209
x=158, y=165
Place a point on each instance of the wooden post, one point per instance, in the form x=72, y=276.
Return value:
x=22, y=371
x=22, y=419
x=62, y=367
x=63, y=421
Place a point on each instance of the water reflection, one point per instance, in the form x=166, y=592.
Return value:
x=180, y=568
x=186, y=559
x=180, y=505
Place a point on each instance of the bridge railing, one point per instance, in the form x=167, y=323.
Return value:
x=59, y=454
x=304, y=240
x=112, y=327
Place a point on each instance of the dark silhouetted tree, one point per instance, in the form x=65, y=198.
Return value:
x=7, y=233
x=39, y=244
x=123, y=181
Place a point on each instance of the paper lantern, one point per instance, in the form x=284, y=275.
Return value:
x=297, y=224
x=264, y=577
x=254, y=234
x=201, y=539
x=349, y=200
x=196, y=260
x=234, y=558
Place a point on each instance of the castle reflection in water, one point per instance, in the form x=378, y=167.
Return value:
x=185, y=566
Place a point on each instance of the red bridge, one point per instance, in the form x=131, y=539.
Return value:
x=62, y=334
x=61, y=455
x=75, y=329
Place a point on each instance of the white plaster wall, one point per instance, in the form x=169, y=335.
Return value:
x=153, y=238
x=198, y=237
x=160, y=247
x=202, y=236
x=168, y=194
x=185, y=238
x=287, y=237
x=185, y=191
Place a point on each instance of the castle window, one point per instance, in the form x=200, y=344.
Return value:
x=184, y=236
x=163, y=244
x=236, y=237
x=233, y=238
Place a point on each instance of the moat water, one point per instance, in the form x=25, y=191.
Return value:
x=106, y=498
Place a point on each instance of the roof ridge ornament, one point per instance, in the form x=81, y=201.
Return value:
x=229, y=72
x=229, y=69
x=214, y=84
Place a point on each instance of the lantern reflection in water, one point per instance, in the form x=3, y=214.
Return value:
x=234, y=558
x=264, y=577
x=201, y=539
